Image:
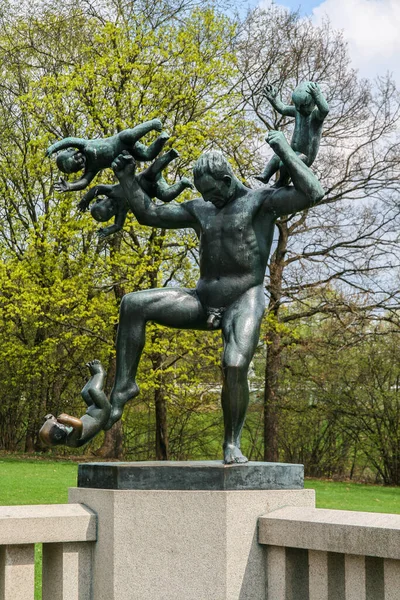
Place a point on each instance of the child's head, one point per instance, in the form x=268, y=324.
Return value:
x=53, y=433
x=70, y=161
x=303, y=100
x=103, y=209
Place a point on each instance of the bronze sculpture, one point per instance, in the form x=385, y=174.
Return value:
x=114, y=203
x=309, y=111
x=74, y=432
x=235, y=228
x=234, y=225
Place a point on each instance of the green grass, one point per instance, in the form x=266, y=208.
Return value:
x=42, y=481
x=35, y=481
x=355, y=496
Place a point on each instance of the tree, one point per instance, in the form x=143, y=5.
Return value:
x=78, y=71
x=349, y=243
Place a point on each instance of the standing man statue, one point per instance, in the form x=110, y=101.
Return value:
x=235, y=227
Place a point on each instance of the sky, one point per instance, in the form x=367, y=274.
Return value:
x=371, y=28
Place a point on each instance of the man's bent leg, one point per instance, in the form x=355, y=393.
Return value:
x=171, y=307
x=241, y=331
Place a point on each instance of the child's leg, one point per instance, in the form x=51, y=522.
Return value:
x=284, y=177
x=166, y=192
x=95, y=382
x=159, y=164
x=271, y=168
x=129, y=137
x=142, y=152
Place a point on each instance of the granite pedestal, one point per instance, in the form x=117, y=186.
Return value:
x=183, y=531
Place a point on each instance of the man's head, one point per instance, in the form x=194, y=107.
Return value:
x=303, y=100
x=53, y=433
x=214, y=178
x=70, y=161
x=103, y=210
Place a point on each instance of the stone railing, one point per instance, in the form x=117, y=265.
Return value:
x=67, y=532
x=318, y=554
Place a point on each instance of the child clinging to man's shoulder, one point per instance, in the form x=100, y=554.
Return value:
x=309, y=110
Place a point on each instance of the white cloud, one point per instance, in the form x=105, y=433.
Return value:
x=372, y=29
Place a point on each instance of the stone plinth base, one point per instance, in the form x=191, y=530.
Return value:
x=191, y=475
x=181, y=544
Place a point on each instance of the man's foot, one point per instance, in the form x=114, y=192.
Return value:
x=233, y=455
x=118, y=401
x=261, y=178
x=95, y=367
x=187, y=183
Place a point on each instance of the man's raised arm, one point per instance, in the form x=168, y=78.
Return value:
x=306, y=189
x=168, y=216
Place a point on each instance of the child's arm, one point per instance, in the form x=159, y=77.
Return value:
x=271, y=94
x=95, y=191
x=119, y=222
x=71, y=422
x=69, y=142
x=80, y=184
x=322, y=105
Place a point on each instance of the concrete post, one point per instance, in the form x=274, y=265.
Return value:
x=181, y=544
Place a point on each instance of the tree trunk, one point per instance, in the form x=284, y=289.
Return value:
x=271, y=395
x=160, y=411
x=112, y=444
x=274, y=348
x=161, y=425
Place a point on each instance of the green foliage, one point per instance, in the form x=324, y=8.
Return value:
x=75, y=70
x=71, y=72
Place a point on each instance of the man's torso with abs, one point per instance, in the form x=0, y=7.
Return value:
x=234, y=247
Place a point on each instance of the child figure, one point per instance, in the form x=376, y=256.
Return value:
x=95, y=155
x=74, y=432
x=114, y=204
x=309, y=110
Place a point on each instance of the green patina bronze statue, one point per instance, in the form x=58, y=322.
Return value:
x=114, y=203
x=235, y=228
x=71, y=431
x=234, y=225
x=95, y=155
x=309, y=111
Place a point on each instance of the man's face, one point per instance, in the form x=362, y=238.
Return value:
x=216, y=191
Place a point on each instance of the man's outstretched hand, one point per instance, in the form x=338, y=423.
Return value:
x=278, y=142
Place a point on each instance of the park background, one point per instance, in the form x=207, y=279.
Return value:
x=325, y=377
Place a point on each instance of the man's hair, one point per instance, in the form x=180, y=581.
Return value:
x=212, y=163
x=301, y=95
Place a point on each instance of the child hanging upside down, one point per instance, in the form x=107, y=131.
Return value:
x=71, y=431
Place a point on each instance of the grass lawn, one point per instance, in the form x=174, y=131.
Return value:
x=35, y=481
x=42, y=481
x=355, y=496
